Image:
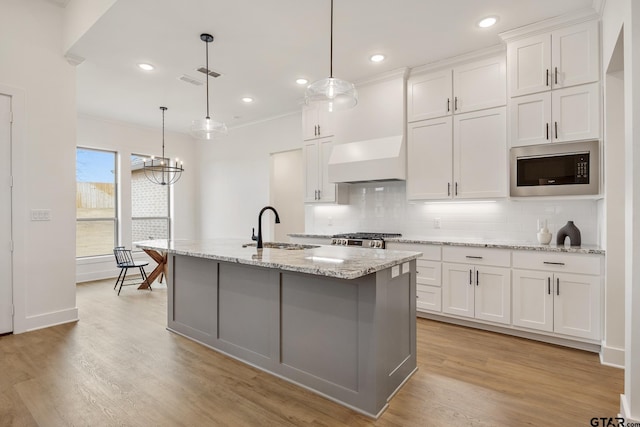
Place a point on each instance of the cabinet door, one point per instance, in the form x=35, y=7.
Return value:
x=316, y=123
x=577, y=305
x=576, y=113
x=457, y=289
x=311, y=171
x=429, y=159
x=493, y=294
x=480, y=85
x=530, y=119
x=532, y=302
x=327, y=190
x=575, y=55
x=429, y=96
x=529, y=65
x=480, y=154
x=428, y=298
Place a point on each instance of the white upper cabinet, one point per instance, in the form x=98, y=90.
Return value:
x=562, y=58
x=317, y=188
x=429, y=96
x=430, y=159
x=480, y=85
x=469, y=87
x=563, y=115
x=316, y=123
x=575, y=55
x=480, y=154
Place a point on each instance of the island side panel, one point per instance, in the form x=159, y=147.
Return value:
x=248, y=313
x=399, y=326
x=192, y=286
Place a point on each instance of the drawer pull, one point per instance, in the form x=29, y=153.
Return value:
x=553, y=263
x=474, y=257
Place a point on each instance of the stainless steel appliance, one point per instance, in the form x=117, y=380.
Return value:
x=556, y=169
x=363, y=240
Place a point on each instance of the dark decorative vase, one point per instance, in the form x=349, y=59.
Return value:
x=570, y=231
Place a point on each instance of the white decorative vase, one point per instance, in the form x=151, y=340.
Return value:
x=544, y=237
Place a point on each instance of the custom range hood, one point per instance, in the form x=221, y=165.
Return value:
x=382, y=159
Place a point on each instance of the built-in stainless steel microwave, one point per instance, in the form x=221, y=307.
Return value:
x=556, y=169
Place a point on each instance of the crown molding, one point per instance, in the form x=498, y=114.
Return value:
x=390, y=75
x=456, y=60
x=583, y=15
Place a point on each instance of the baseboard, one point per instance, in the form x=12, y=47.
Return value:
x=46, y=320
x=612, y=356
x=624, y=411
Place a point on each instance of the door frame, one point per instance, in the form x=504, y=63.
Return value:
x=18, y=205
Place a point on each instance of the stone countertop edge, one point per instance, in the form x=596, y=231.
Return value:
x=590, y=250
x=352, y=263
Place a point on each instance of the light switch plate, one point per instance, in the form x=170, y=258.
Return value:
x=40, y=214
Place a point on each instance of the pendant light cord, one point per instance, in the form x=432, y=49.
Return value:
x=163, y=110
x=207, y=61
x=331, y=45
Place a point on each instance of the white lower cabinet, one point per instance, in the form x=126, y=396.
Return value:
x=479, y=292
x=559, y=293
x=428, y=275
x=563, y=303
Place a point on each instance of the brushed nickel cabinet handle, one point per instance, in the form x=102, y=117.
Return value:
x=473, y=256
x=455, y=103
x=477, y=278
x=456, y=188
x=318, y=130
x=557, y=286
x=448, y=188
x=549, y=285
x=556, y=79
x=470, y=276
x=552, y=263
x=556, y=126
x=547, y=77
x=448, y=104
x=547, y=131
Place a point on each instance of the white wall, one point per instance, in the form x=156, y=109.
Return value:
x=234, y=173
x=43, y=162
x=127, y=139
x=625, y=15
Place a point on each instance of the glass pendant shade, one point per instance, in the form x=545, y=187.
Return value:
x=333, y=94
x=207, y=129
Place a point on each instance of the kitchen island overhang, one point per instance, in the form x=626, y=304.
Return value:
x=338, y=321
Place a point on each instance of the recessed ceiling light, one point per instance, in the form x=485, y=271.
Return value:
x=487, y=22
x=146, y=67
x=247, y=99
x=302, y=81
x=378, y=57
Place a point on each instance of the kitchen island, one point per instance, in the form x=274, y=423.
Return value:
x=337, y=321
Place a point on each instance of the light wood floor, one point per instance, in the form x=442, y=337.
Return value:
x=120, y=366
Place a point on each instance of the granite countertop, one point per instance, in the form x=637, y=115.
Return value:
x=482, y=243
x=322, y=260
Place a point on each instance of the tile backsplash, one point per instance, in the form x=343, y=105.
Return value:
x=383, y=207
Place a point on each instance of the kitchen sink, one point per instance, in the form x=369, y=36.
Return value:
x=285, y=246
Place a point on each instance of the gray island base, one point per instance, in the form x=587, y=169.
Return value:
x=340, y=322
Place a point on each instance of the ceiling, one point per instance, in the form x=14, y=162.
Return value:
x=261, y=47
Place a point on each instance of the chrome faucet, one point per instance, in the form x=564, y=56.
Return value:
x=259, y=238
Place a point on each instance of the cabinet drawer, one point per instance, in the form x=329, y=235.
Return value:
x=560, y=262
x=428, y=298
x=428, y=272
x=477, y=256
x=432, y=252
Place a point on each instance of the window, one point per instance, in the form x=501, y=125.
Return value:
x=150, y=217
x=96, y=218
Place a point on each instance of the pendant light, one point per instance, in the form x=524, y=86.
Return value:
x=331, y=93
x=207, y=128
x=162, y=171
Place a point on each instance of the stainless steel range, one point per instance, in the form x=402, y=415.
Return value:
x=363, y=240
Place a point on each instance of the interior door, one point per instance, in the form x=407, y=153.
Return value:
x=6, y=284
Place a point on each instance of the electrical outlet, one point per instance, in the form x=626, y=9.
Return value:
x=436, y=223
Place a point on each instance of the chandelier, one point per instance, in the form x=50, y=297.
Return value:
x=162, y=171
x=331, y=93
x=207, y=128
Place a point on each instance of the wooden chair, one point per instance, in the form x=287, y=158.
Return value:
x=125, y=261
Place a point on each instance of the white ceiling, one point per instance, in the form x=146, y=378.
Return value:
x=262, y=46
